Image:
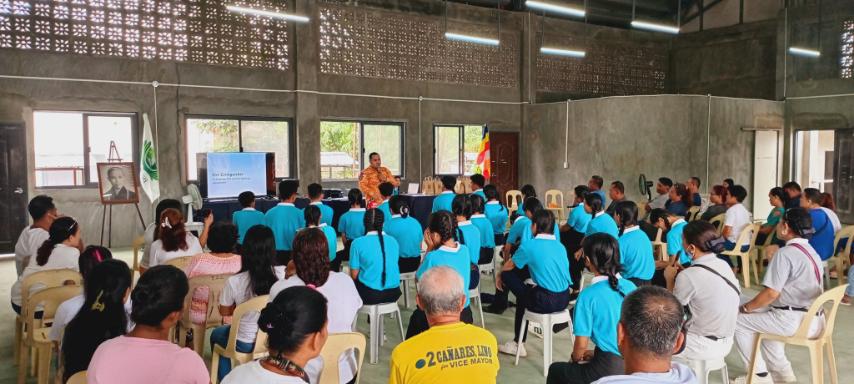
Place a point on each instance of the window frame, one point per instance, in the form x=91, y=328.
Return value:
x=461, y=149
x=360, y=123
x=240, y=119
x=135, y=139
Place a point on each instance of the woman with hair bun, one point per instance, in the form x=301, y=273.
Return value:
x=295, y=324
x=145, y=355
x=709, y=290
x=59, y=251
x=597, y=313
x=792, y=282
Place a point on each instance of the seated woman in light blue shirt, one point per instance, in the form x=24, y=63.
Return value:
x=442, y=202
x=520, y=233
x=528, y=191
x=351, y=226
x=314, y=219
x=442, y=250
x=636, y=255
x=496, y=212
x=373, y=262
x=597, y=313
x=407, y=231
x=573, y=232
x=468, y=235
x=600, y=221
x=487, y=240
x=544, y=260
x=673, y=226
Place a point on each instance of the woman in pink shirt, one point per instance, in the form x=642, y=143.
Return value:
x=145, y=355
x=220, y=260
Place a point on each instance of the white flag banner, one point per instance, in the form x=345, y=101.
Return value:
x=148, y=176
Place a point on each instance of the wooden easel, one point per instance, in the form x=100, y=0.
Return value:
x=114, y=157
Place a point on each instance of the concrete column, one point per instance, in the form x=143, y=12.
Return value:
x=305, y=56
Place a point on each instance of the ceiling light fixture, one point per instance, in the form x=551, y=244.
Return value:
x=455, y=36
x=562, y=52
x=270, y=14
x=655, y=27
x=547, y=7
x=471, y=39
x=807, y=52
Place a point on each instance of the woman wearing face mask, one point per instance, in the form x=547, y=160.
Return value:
x=709, y=289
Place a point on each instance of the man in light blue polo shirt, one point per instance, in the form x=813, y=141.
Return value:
x=595, y=184
x=247, y=217
x=386, y=190
x=285, y=219
x=477, y=184
x=442, y=202
x=315, y=194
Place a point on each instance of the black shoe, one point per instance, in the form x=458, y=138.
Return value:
x=496, y=309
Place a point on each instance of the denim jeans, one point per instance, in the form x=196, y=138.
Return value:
x=219, y=336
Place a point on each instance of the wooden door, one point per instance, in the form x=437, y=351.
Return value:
x=504, y=157
x=13, y=185
x=843, y=178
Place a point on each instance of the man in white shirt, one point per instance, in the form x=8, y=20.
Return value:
x=648, y=335
x=736, y=219
x=662, y=190
x=43, y=212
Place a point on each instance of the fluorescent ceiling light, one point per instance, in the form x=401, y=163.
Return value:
x=655, y=27
x=274, y=15
x=470, y=39
x=539, y=5
x=804, y=52
x=562, y=52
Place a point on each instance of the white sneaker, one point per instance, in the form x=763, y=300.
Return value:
x=510, y=349
x=784, y=377
x=756, y=380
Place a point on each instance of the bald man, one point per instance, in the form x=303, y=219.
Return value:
x=450, y=351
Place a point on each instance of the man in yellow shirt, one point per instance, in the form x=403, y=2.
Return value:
x=450, y=351
x=371, y=177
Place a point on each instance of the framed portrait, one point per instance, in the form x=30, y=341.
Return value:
x=117, y=183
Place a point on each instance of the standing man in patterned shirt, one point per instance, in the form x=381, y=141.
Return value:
x=371, y=177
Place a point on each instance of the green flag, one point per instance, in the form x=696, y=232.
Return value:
x=148, y=175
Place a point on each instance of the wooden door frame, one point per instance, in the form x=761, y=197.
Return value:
x=494, y=158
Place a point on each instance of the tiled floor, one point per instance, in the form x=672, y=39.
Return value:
x=529, y=369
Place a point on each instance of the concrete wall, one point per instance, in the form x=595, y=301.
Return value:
x=732, y=12
x=622, y=137
x=816, y=95
x=627, y=119
x=737, y=61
